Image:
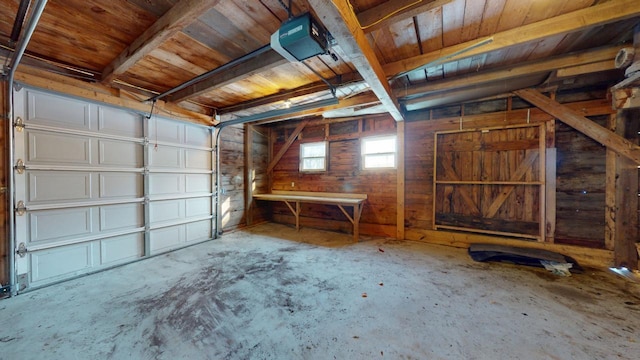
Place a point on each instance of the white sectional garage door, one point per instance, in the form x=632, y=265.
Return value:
x=102, y=186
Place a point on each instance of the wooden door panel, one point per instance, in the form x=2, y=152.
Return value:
x=490, y=181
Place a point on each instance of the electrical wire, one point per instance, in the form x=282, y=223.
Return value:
x=384, y=17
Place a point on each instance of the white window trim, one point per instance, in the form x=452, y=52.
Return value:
x=363, y=155
x=326, y=150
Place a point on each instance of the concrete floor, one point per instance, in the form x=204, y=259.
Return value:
x=272, y=293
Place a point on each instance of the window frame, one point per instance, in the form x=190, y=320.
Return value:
x=302, y=158
x=363, y=155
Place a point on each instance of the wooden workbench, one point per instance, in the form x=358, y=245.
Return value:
x=341, y=200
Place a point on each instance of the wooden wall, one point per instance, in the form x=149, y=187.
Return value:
x=580, y=191
x=232, y=164
x=580, y=163
x=257, y=180
x=344, y=175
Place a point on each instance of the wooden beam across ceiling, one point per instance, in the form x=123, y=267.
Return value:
x=346, y=29
x=359, y=100
x=533, y=67
x=574, y=119
x=377, y=17
x=579, y=20
x=173, y=21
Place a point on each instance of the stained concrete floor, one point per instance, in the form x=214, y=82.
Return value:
x=271, y=293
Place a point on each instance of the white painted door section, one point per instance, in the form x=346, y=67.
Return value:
x=97, y=192
x=180, y=186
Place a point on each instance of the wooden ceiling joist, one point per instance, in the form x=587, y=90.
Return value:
x=579, y=20
x=395, y=10
x=173, y=21
x=533, y=67
x=346, y=29
x=589, y=128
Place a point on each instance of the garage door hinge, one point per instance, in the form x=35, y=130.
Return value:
x=20, y=168
x=19, y=124
x=21, y=208
x=5, y=289
x=22, y=250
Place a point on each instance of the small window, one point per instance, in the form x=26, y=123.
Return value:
x=379, y=152
x=313, y=156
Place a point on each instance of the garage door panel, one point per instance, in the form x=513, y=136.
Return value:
x=166, y=184
x=52, y=110
x=47, y=225
x=58, y=186
x=120, y=153
x=64, y=261
x=197, y=231
x=96, y=194
x=166, y=131
x=168, y=210
x=198, y=159
x=198, y=183
x=197, y=136
x=166, y=238
x=51, y=148
x=198, y=207
x=120, y=185
x=121, y=248
x=166, y=157
x=121, y=217
x=119, y=122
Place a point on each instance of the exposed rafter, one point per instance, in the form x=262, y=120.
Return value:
x=564, y=24
x=394, y=11
x=532, y=67
x=173, y=21
x=345, y=28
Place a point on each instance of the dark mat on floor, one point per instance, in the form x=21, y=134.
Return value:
x=520, y=256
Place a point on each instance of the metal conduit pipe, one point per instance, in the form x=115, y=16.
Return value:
x=247, y=119
x=15, y=60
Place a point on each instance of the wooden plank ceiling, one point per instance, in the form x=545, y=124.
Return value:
x=415, y=53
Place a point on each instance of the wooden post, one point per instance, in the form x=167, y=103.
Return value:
x=550, y=182
x=610, y=192
x=623, y=215
x=542, y=161
x=249, y=174
x=400, y=181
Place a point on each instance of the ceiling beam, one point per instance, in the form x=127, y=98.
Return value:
x=533, y=67
x=250, y=67
x=173, y=21
x=313, y=88
x=401, y=10
x=360, y=100
x=395, y=10
x=584, y=125
x=579, y=20
x=345, y=28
